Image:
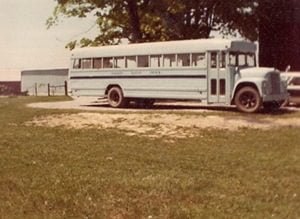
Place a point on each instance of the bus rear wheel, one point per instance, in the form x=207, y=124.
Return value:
x=248, y=100
x=116, y=98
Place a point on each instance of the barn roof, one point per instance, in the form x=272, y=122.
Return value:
x=60, y=71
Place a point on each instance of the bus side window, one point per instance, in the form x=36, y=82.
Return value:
x=155, y=61
x=77, y=63
x=130, y=62
x=170, y=60
x=213, y=60
x=97, y=63
x=107, y=62
x=232, y=59
x=183, y=60
x=119, y=62
x=250, y=60
x=222, y=86
x=143, y=61
x=222, y=61
x=213, y=88
x=242, y=60
x=86, y=63
x=198, y=59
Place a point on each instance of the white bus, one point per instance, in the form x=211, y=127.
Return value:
x=213, y=71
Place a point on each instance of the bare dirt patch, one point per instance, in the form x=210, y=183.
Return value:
x=158, y=124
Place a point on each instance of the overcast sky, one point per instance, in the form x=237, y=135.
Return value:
x=26, y=43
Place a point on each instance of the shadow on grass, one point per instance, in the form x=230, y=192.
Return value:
x=184, y=105
x=278, y=112
x=178, y=105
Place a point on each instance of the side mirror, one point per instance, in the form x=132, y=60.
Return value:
x=288, y=68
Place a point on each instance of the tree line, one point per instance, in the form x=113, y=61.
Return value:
x=274, y=23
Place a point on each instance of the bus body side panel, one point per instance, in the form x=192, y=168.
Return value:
x=163, y=83
x=85, y=84
x=173, y=84
x=165, y=88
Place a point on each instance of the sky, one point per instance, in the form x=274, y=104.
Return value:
x=25, y=41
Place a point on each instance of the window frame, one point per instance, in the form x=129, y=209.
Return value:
x=159, y=60
x=170, y=60
x=101, y=63
x=78, y=65
x=115, y=62
x=140, y=60
x=126, y=62
x=111, y=64
x=195, y=61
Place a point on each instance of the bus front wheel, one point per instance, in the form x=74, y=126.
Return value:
x=115, y=97
x=247, y=99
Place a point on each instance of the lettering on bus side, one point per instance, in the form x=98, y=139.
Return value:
x=155, y=72
x=136, y=72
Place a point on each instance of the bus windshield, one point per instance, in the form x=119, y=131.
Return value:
x=242, y=59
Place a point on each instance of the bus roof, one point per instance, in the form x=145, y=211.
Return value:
x=168, y=47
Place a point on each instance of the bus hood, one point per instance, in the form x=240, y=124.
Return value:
x=256, y=72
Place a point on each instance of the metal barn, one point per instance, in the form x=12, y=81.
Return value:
x=44, y=82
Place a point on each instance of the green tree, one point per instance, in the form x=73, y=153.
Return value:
x=276, y=24
x=116, y=19
x=153, y=20
x=198, y=19
x=279, y=33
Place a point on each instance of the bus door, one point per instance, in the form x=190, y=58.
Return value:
x=217, y=77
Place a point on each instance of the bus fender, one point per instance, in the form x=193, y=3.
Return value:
x=255, y=83
x=112, y=85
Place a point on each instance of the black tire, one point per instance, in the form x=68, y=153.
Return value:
x=116, y=98
x=247, y=99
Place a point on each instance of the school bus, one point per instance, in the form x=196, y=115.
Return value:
x=213, y=71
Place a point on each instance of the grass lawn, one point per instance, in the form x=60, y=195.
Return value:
x=92, y=173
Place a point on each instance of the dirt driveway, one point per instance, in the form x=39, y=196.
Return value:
x=92, y=104
x=157, y=122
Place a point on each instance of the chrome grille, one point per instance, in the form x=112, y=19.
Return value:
x=275, y=83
